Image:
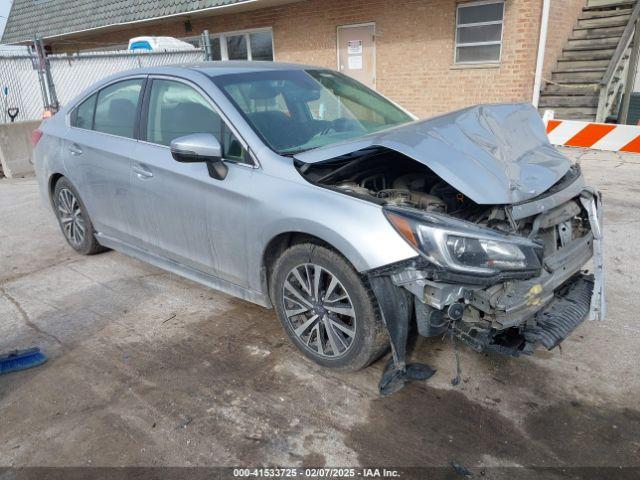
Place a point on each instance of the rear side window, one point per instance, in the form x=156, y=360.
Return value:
x=82, y=116
x=116, y=108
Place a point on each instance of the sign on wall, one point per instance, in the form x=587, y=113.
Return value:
x=354, y=47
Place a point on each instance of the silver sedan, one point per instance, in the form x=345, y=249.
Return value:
x=300, y=189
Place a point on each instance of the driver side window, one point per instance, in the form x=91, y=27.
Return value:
x=232, y=148
x=176, y=110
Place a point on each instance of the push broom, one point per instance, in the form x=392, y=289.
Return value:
x=21, y=360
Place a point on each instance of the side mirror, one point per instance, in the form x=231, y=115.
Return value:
x=200, y=147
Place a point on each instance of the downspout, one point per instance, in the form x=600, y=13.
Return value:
x=542, y=47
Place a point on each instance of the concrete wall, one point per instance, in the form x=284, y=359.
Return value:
x=414, y=46
x=16, y=151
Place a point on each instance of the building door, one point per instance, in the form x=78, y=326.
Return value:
x=357, y=52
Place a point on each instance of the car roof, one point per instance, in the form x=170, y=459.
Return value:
x=210, y=69
x=234, y=66
x=214, y=69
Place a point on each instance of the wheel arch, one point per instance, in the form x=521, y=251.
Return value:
x=284, y=240
x=53, y=180
x=51, y=186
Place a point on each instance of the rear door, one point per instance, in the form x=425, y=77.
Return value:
x=182, y=213
x=99, y=148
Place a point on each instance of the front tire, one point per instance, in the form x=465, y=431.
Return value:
x=326, y=308
x=74, y=220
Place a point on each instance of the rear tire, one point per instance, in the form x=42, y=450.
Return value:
x=74, y=220
x=327, y=308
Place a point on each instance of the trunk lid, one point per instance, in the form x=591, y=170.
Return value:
x=494, y=154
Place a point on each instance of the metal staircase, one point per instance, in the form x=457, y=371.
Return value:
x=590, y=78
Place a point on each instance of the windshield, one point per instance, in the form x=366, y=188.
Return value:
x=297, y=110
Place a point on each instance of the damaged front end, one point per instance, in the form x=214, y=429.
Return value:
x=520, y=290
x=502, y=240
x=538, y=292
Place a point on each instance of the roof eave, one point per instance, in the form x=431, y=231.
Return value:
x=245, y=5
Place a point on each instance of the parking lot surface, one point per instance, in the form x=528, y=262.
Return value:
x=149, y=369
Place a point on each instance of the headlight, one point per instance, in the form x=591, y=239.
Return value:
x=489, y=254
x=463, y=246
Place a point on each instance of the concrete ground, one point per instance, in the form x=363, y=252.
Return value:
x=149, y=369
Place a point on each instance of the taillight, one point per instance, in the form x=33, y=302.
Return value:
x=36, y=135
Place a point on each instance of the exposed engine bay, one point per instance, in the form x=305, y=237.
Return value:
x=393, y=179
x=390, y=178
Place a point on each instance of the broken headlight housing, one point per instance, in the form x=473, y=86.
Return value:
x=463, y=246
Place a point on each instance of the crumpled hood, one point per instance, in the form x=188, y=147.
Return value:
x=494, y=154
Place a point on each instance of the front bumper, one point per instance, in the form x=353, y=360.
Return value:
x=562, y=315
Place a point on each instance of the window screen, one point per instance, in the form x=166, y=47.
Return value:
x=237, y=47
x=249, y=45
x=479, y=32
x=215, y=49
x=116, y=108
x=261, y=46
x=82, y=116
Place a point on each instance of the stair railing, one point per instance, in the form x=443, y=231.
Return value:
x=614, y=80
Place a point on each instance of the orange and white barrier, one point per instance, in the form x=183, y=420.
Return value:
x=597, y=136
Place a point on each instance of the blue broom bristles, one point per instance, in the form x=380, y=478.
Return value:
x=21, y=360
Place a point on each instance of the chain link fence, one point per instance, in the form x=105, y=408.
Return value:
x=20, y=84
x=20, y=88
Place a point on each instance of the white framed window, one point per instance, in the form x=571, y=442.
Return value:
x=255, y=44
x=479, y=32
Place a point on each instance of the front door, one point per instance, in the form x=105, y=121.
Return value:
x=182, y=213
x=357, y=52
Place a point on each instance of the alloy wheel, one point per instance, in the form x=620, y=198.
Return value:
x=70, y=215
x=319, y=310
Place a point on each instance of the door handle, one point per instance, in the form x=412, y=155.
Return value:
x=75, y=149
x=142, y=171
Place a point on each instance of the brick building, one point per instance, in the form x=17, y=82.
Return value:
x=431, y=56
